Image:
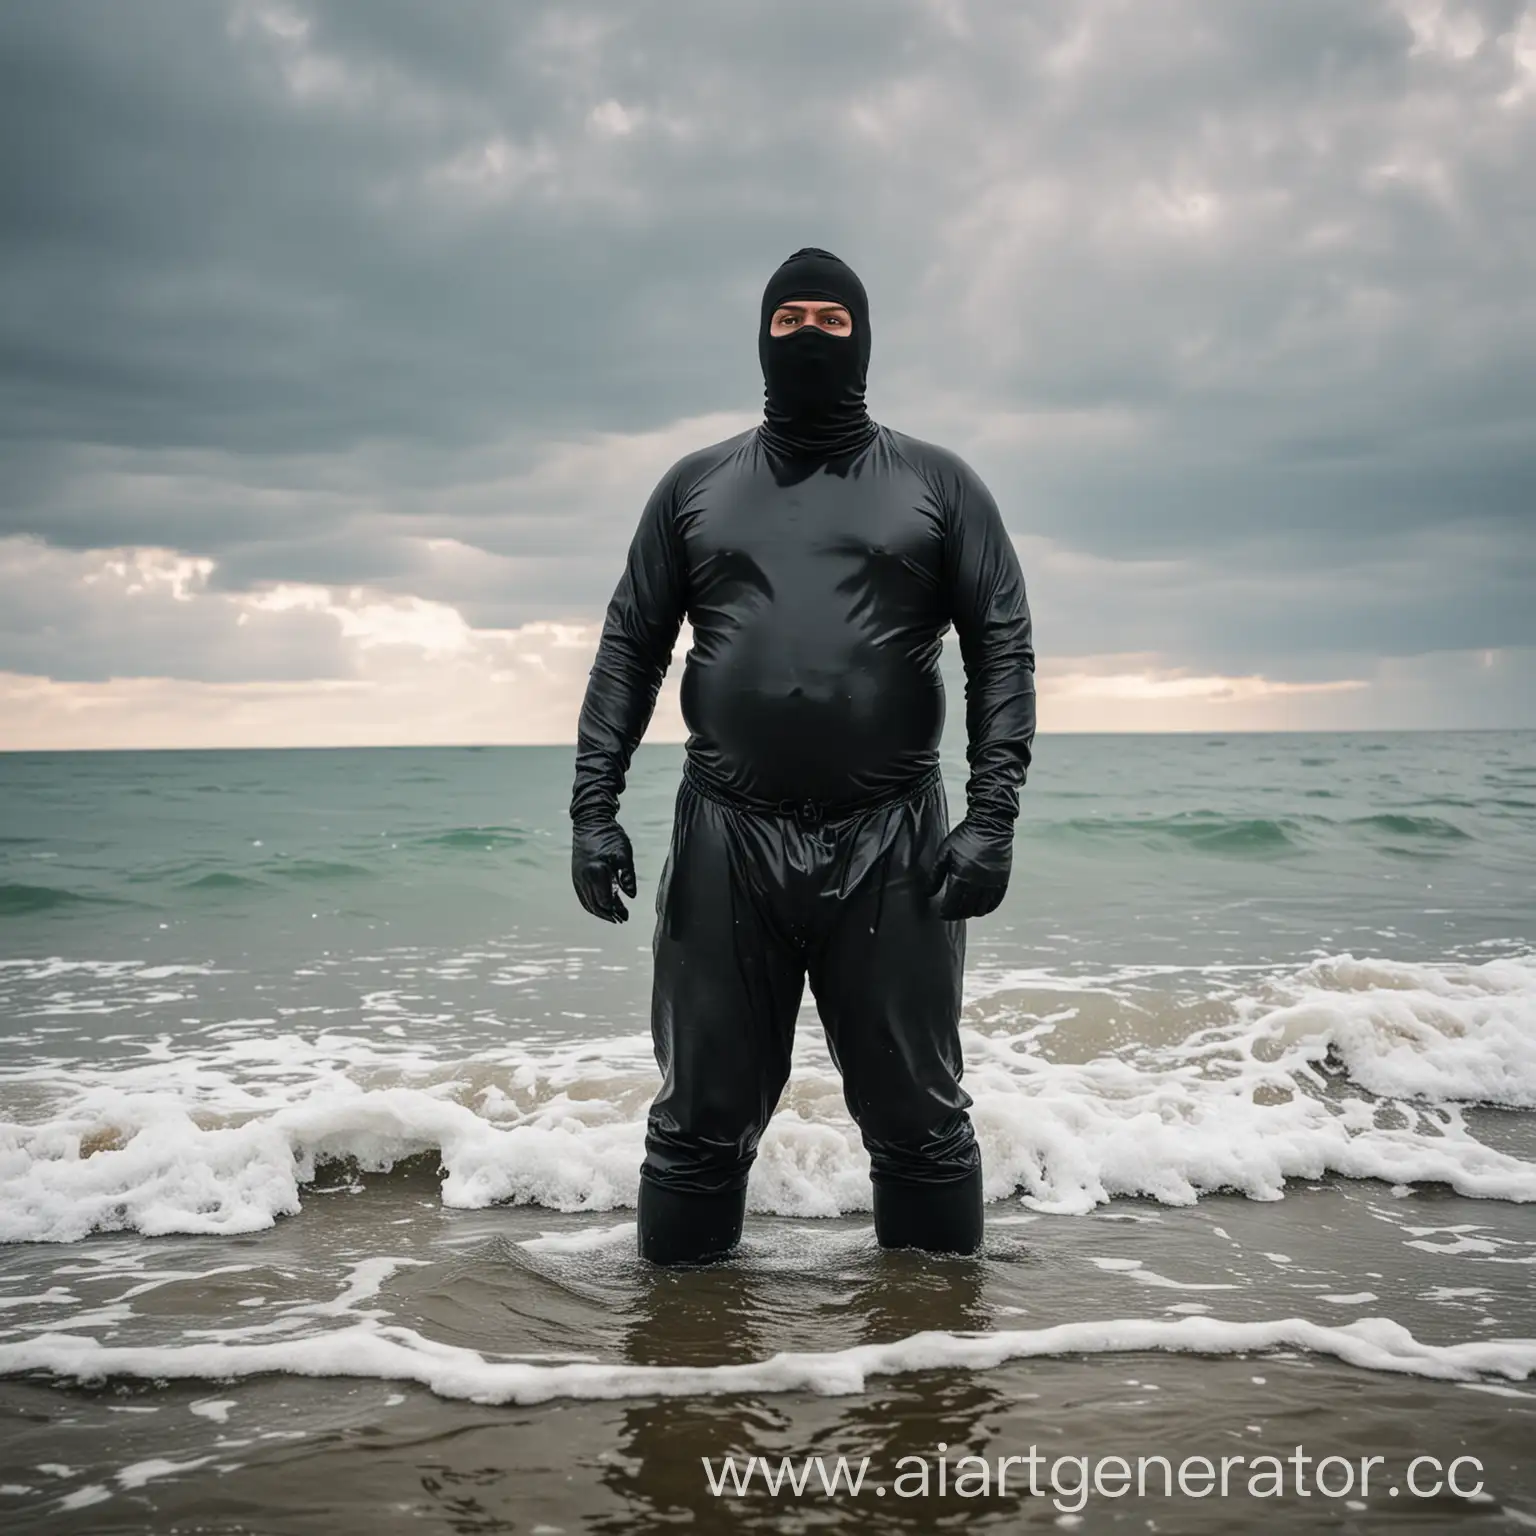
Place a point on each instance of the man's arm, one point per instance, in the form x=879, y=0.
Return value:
x=990, y=610
x=639, y=632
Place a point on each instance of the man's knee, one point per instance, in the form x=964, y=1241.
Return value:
x=920, y=1149
x=698, y=1164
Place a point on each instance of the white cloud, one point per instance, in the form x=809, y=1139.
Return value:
x=612, y=119
x=516, y=687
x=1445, y=690
x=175, y=661
x=1451, y=31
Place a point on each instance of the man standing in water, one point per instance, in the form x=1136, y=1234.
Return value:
x=820, y=557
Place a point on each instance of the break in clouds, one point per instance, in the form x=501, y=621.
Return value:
x=340, y=344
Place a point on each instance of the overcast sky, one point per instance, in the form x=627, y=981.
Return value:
x=340, y=343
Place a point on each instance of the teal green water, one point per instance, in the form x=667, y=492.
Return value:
x=311, y=880
x=1130, y=848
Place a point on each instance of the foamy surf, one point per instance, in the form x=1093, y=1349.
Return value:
x=1348, y=1066
x=404, y=1355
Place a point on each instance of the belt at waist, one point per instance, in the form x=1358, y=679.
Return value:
x=809, y=812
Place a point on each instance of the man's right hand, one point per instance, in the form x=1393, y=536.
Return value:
x=602, y=859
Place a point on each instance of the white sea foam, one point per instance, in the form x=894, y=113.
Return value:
x=1437, y=1033
x=1348, y=1066
x=587, y=1241
x=393, y=1353
x=1134, y=1269
x=83, y=1498
x=142, y=1472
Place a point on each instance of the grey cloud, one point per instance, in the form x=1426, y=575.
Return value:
x=68, y=618
x=257, y=306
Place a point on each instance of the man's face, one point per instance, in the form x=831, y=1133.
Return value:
x=795, y=314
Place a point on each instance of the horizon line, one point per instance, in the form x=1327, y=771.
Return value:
x=546, y=746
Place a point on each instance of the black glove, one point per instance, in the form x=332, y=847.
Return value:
x=601, y=858
x=976, y=864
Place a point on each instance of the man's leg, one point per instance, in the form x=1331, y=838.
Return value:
x=726, y=991
x=886, y=973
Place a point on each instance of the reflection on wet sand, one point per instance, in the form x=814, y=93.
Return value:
x=714, y=1315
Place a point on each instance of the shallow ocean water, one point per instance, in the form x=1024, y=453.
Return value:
x=320, y=1114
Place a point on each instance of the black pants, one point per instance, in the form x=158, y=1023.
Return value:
x=751, y=903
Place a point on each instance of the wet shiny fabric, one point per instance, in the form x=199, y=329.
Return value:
x=819, y=595
x=752, y=905
x=811, y=814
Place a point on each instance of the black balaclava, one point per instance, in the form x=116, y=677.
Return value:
x=814, y=382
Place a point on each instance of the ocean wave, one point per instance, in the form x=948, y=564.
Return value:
x=370, y=1349
x=224, y=880
x=1401, y=824
x=1210, y=831
x=18, y=899
x=1204, y=831
x=1351, y=1066
x=317, y=869
x=477, y=839
x=173, y=881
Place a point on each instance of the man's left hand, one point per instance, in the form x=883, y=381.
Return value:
x=973, y=867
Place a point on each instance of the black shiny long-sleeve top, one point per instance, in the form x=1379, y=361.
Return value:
x=819, y=596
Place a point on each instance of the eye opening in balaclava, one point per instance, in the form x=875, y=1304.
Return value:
x=813, y=383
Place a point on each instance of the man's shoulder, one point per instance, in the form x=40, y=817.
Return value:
x=933, y=461
x=916, y=447
x=698, y=463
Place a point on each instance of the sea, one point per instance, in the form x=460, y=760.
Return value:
x=322, y=1104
